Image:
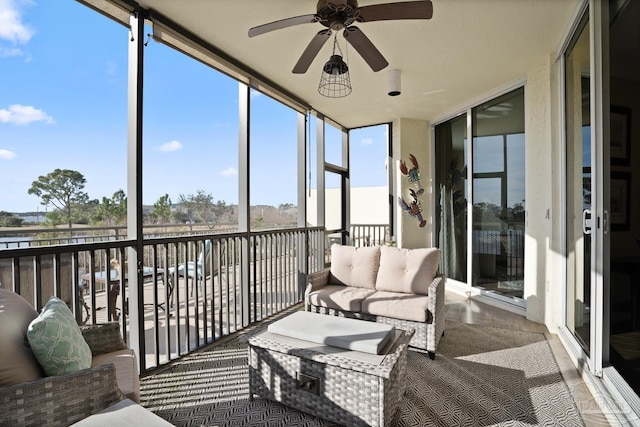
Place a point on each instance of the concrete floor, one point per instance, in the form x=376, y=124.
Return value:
x=465, y=309
x=468, y=310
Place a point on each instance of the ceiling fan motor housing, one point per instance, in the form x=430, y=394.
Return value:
x=337, y=14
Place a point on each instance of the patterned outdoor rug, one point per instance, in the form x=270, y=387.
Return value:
x=481, y=376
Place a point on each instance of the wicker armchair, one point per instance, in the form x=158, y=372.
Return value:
x=64, y=399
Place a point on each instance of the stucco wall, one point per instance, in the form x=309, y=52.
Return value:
x=412, y=137
x=369, y=205
x=539, y=192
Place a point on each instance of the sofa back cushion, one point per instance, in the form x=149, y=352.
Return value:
x=410, y=271
x=353, y=266
x=17, y=362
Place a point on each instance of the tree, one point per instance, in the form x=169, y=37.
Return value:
x=53, y=218
x=200, y=207
x=222, y=211
x=161, y=210
x=9, y=220
x=112, y=211
x=257, y=222
x=61, y=188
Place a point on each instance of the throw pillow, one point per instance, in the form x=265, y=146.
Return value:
x=18, y=362
x=56, y=340
x=352, y=266
x=410, y=271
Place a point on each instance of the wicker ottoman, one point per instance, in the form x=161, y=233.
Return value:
x=347, y=387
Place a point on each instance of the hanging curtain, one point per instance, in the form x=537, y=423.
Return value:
x=451, y=205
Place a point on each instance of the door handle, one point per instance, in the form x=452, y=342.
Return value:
x=586, y=222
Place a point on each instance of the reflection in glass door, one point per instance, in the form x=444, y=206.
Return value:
x=499, y=195
x=578, y=194
x=451, y=196
x=624, y=186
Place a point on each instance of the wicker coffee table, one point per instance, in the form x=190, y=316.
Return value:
x=344, y=386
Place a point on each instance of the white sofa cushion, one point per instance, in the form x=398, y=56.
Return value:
x=352, y=266
x=334, y=331
x=126, y=365
x=397, y=305
x=18, y=362
x=410, y=271
x=124, y=413
x=339, y=297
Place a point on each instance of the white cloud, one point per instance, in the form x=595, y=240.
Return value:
x=229, y=172
x=171, y=146
x=11, y=26
x=366, y=141
x=23, y=115
x=6, y=52
x=6, y=154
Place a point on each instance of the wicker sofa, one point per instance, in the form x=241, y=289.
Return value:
x=29, y=397
x=399, y=287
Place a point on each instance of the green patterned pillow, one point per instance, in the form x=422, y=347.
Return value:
x=56, y=340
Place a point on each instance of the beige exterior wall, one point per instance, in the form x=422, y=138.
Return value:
x=369, y=205
x=538, y=279
x=412, y=137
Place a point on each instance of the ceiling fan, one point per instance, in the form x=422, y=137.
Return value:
x=338, y=15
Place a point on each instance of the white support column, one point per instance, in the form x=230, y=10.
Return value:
x=134, y=187
x=244, y=196
x=346, y=203
x=412, y=138
x=302, y=170
x=302, y=243
x=321, y=183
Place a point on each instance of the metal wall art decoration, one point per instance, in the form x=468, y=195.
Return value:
x=413, y=209
x=413, y=174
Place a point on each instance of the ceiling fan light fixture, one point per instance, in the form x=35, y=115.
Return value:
x=335, y=81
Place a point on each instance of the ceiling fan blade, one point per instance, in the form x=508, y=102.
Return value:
x=283, y=23
x=403, y=10
x=365, y=48
x=311, y=51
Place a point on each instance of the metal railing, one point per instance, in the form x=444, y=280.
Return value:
x=369, y=234
x=506, y=245
x=40, y=236
x=193, y=290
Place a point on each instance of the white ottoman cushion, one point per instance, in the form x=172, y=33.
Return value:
x=342, y=332
x=123, y=414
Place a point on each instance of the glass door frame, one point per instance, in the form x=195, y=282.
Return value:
x=512, y=304
x=597, y=14
x=614, y=394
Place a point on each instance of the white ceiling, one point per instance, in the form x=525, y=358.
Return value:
x=467, y=50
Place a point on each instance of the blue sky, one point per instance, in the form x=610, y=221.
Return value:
x=63, y=104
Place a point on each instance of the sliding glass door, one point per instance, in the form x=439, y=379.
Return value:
x=499, y=195
x=579, y=224
x=624, y=279
x=496, y=168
